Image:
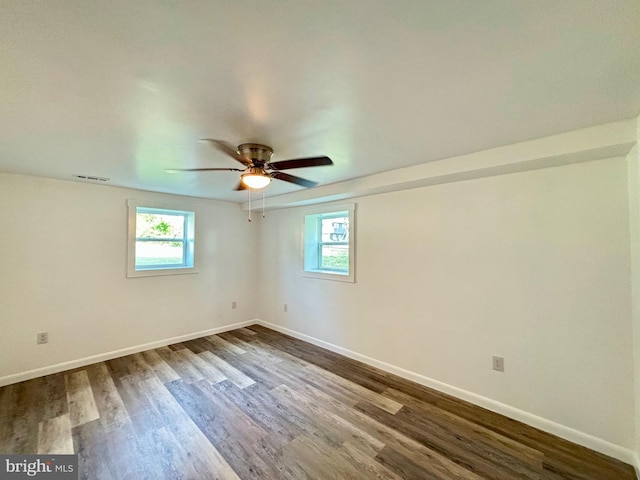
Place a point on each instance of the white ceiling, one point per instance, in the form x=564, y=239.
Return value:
x=125, y=89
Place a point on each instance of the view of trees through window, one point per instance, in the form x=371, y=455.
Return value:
x=159, y=238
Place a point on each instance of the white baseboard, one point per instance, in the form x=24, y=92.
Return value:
x=81, y=362
x=562, y=431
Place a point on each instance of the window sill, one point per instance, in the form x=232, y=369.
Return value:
x=161, y=272
x=329, y=275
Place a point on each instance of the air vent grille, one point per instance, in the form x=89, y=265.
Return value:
x=92, y=178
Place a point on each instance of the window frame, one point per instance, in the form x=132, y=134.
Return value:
x=312, y=247
x=188, y=264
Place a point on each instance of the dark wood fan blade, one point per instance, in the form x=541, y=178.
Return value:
x=175, y=170
x=293, y=179
x=241, y=186
x=227, y=148
x=300, y=163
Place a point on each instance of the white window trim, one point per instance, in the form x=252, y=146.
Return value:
x=132, y=205
x=328, y=274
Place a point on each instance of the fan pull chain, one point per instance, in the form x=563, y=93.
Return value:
x=250, y=191
x=263, y=203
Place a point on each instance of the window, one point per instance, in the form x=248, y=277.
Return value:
x=329, y=244
x=161, y=241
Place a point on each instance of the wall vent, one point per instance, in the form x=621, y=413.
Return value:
x=92, y=178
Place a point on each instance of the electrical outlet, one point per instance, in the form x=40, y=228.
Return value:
x=286, y=308
x=234, y=305
x=42, y=337
x=498, y=364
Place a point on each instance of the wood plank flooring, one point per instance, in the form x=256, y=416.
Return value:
x=253, y=403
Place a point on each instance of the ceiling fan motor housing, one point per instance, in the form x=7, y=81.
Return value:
x=259, y=154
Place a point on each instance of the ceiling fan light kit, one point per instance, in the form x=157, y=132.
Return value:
x=255, y=180
x=258, y=169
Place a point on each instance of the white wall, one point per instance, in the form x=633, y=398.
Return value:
x=633, y=163
x=63, y=250
x=533, y=266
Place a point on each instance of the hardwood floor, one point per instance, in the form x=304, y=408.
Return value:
x=253, y=403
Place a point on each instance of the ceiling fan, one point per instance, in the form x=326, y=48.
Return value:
x=258, y=170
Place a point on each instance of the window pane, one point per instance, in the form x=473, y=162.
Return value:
x=159, y=253
x=335, y=229
x=328, y=244
x=159, y=225
x=335, y=257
